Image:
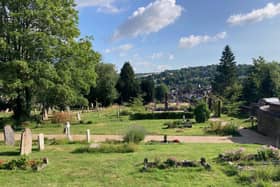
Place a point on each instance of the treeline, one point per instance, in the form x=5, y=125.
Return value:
x=188, y=79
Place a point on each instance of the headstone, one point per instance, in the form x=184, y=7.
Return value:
x=78, y=116
x=41, y=142
x=45, y=115
x=88, y=136
x=67, y=131
x=26, y=142
x=165, y=138
x=9, y=135
x=7, y=110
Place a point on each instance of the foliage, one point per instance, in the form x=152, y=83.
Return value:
x=108, y=148
x=41, y=60
x=136, y=105
x=268, y=153
x=62, y=117
x=226, y=75
x=223, y=130
x=148, y=90
x=201, y=113
x=104, y=91
x=135, y=134
x=22, y=163
x=161, y=91
x=178, y=124
x=161, y=115
x=262, y=82
x=234, y=155
x=127, y=85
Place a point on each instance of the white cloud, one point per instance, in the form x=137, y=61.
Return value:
x=122, y=49
x=148, y=67
x=192, y=41
x=269, y=11
x=152, y=18
x=106, y=6
x=171, y=57
x=157, y=55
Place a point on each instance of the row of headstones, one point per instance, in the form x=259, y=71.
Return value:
x=26, y=140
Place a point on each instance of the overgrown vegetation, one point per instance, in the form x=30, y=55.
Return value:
x=108, y=148
x=219, y=128
x=135, y=134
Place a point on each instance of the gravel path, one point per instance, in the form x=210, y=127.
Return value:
x=247, y=137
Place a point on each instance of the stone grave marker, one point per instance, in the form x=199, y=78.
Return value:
x=88, y=136
x=78, y=116
x=41, y=142
x=67, y=131
x=26, y=142
x=9, y=135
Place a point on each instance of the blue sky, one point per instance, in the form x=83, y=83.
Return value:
x=155, y=35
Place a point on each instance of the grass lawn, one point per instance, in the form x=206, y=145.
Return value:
x=116, y=169
x=106, y=122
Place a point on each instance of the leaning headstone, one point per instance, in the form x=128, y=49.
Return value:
x=78, y=116
x=41, y=142
x=9, y=135
x=88, y=136
x=26, y=142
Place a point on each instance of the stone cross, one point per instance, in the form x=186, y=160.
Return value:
x=88, y=136
x=26, y=142
x=78, y=116
x=9, y=135
x=41, y=142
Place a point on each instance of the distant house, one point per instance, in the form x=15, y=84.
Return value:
x=268, y=116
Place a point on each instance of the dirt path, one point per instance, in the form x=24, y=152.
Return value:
x=247, y=137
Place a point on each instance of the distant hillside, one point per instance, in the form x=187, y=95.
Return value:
x=190, y=78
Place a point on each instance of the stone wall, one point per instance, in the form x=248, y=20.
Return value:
x=268, y=122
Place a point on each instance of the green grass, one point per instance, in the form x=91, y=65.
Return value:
x=120, y=169
x=106, y=122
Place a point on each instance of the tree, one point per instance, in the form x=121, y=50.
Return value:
x=148, y=90
x=104, y=91
x=127, y=85
x=263, y=81
x=226, y=75
x=41, y=60
x=161, y=91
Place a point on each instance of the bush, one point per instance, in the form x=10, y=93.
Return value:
x=109, y=148
x=268, y=153
x=201, y=113
x=223, y=130
x=135, y=134
x=161, y=115
x=62, y=117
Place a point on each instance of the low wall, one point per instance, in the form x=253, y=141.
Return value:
x=268, y=122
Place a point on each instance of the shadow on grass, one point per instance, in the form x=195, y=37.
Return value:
x=9, y=153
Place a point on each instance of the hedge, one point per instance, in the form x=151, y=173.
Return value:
x=161, y=115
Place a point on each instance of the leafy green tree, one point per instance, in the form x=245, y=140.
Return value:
x=161, y=91
x=41, y=60
x=263, y=81
x=148, y=90
x=226, y=75
x=127, y=85
x=104, y=91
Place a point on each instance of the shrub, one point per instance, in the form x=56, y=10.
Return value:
x=109, y=148
x=62, y=117
x=201, y=113
x=224, y=130
x=161, y=115
x=89, y=122
x=268, y=153
x=235, y=155
x=135, y=134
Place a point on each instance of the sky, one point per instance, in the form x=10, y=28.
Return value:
x=158, y=35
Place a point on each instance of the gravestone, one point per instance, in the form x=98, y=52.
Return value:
x=88, y=136
x=67, y=131
x=9, y=135
x=26, y=142
x=165, y=138
x=78, y=116
x=41, y=142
